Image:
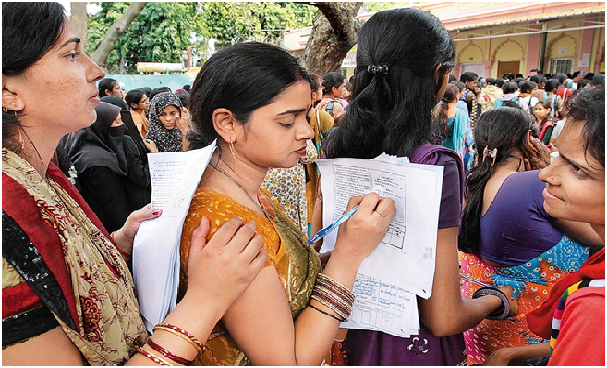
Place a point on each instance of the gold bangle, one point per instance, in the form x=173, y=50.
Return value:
x=153, y=357
x=186, y=338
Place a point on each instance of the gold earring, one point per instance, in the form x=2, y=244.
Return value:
x=4, y=109
x=21, y=141
x=14, y=103
x=233, y=152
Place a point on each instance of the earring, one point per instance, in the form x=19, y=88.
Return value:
x=4, y=109
x=233, y=152
x=14, y=103
x=21, y=141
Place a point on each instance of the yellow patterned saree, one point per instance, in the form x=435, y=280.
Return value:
x=296, y=263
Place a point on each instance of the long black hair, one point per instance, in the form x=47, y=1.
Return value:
x=505, y=130
x=449, y=96
x=392, y=112
x=240, y=78
x=29, y=31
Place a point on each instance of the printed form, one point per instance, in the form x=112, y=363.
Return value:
x=175, y=177
x=402, y=266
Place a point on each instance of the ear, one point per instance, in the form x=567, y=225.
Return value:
x=529, y=135
x=10, y=99
x=225, y=124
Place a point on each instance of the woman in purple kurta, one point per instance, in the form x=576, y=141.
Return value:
x=403, y=61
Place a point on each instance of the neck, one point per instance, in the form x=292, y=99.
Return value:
x=245, y=174
x=600, y=230
x=513, y=164
x=41, y=144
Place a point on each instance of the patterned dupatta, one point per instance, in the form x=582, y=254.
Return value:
x=103, y=320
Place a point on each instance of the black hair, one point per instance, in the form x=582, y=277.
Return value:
x=551, y=85
x=330, y=80
x=147, y=91
x=393, y=113
x=504, y=129
x=184, y=96
x=581, y=84
x=500, y=82
x=519, y=79
x=535, y=70
x=528, y=86
x=29, y=31
x=460, y=85
x=490, y=81
x=509, y=87
x=315, y=82
x=452, y=78
x=449, y=96
x=588, y=107
x=538, y=78
x=134, y=96
x=106, y=83
x=561, y=77
x=589, y=76
x=518, y=75
x=187, y=88
x=158, y=90
x=598, y=80
x=468, y=77
x=230, y=79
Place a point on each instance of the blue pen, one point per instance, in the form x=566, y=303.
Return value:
x=324, y=232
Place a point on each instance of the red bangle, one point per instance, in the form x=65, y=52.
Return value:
x=168, y=354
x=185, y=333
x=151, y=356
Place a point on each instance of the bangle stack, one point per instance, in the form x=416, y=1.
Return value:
x=334, y=296
x=499, y=313
x=124, y=254
x=197, y=344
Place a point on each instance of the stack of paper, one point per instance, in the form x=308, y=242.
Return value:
x=402, y=266
x=175, y=177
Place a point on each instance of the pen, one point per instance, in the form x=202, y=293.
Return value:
x=322, y=233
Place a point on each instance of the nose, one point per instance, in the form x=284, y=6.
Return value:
x=95, y=72
x=306, y=131
x=548, y=174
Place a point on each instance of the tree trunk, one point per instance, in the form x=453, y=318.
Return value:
x=334, y=33
x=78, y=20
x=116, y=30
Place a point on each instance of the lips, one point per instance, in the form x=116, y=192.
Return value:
x=549, y=196
x=302, y=150
x=95, y=99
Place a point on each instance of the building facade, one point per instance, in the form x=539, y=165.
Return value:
x=495, y=38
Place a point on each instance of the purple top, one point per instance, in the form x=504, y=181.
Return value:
x=516, y=228
x=377, y=348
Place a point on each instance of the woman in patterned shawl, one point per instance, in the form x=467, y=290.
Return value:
x=167, y=129
x=67, y=295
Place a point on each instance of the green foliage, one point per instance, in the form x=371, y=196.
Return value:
x=379, y=6
x=163, y=31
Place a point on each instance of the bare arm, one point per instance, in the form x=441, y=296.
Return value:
x=446, y=313
x=518, y=355
x=260, y=320
x=219, y=273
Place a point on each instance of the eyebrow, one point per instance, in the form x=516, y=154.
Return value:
x=73, y=39
x=292, y=112
x=573, y=163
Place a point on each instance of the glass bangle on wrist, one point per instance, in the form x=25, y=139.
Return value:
x=499, y=313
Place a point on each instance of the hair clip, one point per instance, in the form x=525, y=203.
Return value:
x=492, y=154
x=378, y=69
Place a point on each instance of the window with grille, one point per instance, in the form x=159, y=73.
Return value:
x=562, y=66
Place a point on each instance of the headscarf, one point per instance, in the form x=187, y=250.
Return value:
x=127, y=118
x=166, y=140
x=95, y=146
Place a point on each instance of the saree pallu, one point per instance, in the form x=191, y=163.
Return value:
x=296, y=263
x=532, y=282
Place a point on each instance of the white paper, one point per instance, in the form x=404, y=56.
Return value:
x=402, y=266
x=175, y=177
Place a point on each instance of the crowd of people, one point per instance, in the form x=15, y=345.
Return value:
x=519, y=276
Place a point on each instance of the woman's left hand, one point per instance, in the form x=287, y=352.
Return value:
x=541, y=157
x=125, y=236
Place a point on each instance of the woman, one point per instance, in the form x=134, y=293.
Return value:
x=451, y=123
x=404, y=58
x=113, y=179
x=67, y=296
x=333, y=86
x=526, y=99
x=139, y=105
x=322, y=123
x=167, y=129
x=542, y=112
x=257, y=129
x=573, y=317
x=507, y=238
x=109, y=87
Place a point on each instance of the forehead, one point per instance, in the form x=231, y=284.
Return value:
x=573, y=145
x=170, y=108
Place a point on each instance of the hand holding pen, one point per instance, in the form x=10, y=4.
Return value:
x=365, y=227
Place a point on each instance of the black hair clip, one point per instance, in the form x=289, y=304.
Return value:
x=378, y=69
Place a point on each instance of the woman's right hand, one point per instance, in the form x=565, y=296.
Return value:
x=362, y=233
x=221, y=270
x=151, y=146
